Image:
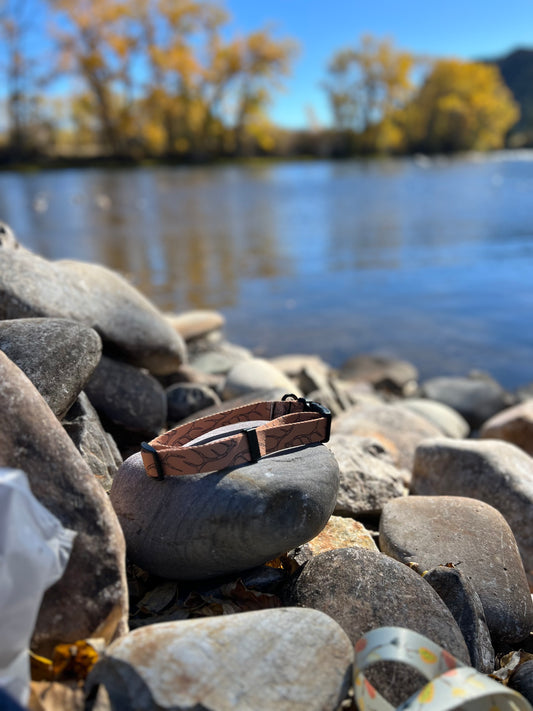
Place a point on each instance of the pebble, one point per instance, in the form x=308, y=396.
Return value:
x=62, y=357
x=205, y=525
x=489, y=470
x=388, y=374
x=362, y=590
x=94, y=296
x=255, y=374
x=475, y=538
x=475, y=398
x=91, y=597
x=396, y=428
x=274, y=660
x=514, y=425
x=449, y=421
x=368, y=477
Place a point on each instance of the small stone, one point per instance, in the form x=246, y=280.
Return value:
x=196, y=324
x=273, y=660
x=187, y=398
x=489, y=470
x=218, y=359
x=302, y=369
x=57, y=355
x=460, y=597
x=128, y=396
x=204, y=525
x=396, y=428
x=96, y=446
x=368, y=478
x=476, y=539
x=91, y=598
x=255, y=374
x=475, y=398
x=514, y=425
x=362, y=590
x=449, y=421
x=388, y=374
x=521, y=680
x=94, y=296
x=339, y=532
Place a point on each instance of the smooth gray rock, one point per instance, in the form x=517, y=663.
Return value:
x=184, y=399
x=272, y=660
x=216, y=358
x=398, y=429
x=254, y=374
x=57, y=355
x=522, y=680
x=461, y=598
x=91, y=599
x=388, y=374
x=128, y=396
x=475, y=398
x=368, y=478
x=96, y=446
x=475, y=538
x=95, y=296
x=489, y=470
x=514, y=425
x=197, y=323
x=363, y=590
x=204, y=525
x=449, y=421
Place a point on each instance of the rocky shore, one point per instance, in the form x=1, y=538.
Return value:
x=250, y=588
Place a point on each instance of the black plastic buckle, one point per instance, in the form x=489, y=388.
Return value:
x=312, y=406
x=157, y=461
x=253, y=444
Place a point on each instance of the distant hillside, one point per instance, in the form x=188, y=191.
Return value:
x=517, y=71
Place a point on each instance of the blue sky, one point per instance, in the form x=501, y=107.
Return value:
x=469, y=29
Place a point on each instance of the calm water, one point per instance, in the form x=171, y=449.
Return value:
x=429, y=261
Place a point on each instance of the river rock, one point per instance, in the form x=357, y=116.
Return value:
x=309, y=372
x=475, y=398
x=128, y=396
x=461, y=598
x=449, y=421
x=514, y=425
x=184, y=399
x=521, y=680
x=388, y=374
x=273, y=660
x=368, y=478
x=396, y=428
x=57, y=355
x=95, y=296
x=339, y=532
x=204, y=525
x=363, y=590
x=96, y=446
x=255, y=374
x=476, y=539
x=489, y=470
x=196, y=324
x=218, y=358
x=90, y=600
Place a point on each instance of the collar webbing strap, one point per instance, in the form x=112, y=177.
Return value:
x=288, y=423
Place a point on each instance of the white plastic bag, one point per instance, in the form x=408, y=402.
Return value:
x=34, y=552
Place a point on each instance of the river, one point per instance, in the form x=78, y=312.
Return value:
x=427, y=260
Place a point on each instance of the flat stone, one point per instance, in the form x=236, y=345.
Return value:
x=475, y=398
x=396, y=428
x=461, y=598
x=96, y=446
x=92, y=295
x=90, y=600
x=204, y=525
x=339, y=532
x=57, y=355
x=389, y=374
x=476, y=539
x=449, y=421
x=273, y=660
x=489, y=470
x=184, y=399
x=196, y=323
x=128, y=396
x=514, y=425
x=368, y=478
x=255, y=374
x=362, y=590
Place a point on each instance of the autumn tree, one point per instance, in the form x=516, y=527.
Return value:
x=460, y=106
